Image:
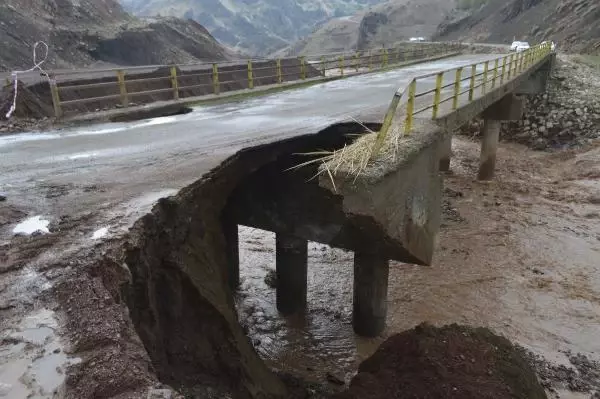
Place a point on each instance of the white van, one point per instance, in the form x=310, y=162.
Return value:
x=522, y=47
x=515, y=44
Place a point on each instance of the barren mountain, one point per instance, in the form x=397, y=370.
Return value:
x=380, y=25
x=88, y=32
x=256, y=26
x=573, y=24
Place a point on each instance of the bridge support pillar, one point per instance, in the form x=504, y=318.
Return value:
x=370, y=293
x=489, y=147
x=445, y=153
x=291, y=257
x=232, y=252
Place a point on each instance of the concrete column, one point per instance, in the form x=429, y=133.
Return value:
x=445, y=154
x=489, y=147
x=232, y=252
x=370, y=293
x=291, y=256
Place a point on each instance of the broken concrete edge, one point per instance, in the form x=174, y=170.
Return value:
x=412, y=178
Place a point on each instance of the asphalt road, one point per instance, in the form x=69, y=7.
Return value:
x=107, y=166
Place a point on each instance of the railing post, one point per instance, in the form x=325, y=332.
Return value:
x=522, y=61
x=55, y=98
x=174, y=82
x=496, y=62
x=387, y=123
x=510, y=65
x=250, y=75
x=341, y=65
x=323, y=66
x=410, y=106
x=356, y=60
x=503, y=70
x=279, y=75
x=472, y=82
x=438, y=94
x=486, y=69
x=457, y=88
x=215, y=79
x=302, y=68
x=122, y=88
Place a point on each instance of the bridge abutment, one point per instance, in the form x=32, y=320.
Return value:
x=291, y=256
x=371, y=273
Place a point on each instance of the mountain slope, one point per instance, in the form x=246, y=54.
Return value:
x=380, y=25
x=88, y=32
x=573, y=24
x=256, y=26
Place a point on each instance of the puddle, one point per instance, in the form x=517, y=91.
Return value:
x=32, y=225
x=33, y=361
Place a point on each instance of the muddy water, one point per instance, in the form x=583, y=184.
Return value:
x=311, y=345
x=511, y=258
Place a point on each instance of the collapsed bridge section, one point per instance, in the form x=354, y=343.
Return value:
x=393, y=216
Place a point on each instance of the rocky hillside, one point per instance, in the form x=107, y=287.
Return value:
x=573, y=24
x=256, y=26
x=383, y=24
x=89, y=32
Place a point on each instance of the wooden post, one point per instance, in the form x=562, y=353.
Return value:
x=55, y=98
x=302, y=68
x=174, y=83
x=279, y=75
x=250, y=75
x=122, y=88
x=215, y=79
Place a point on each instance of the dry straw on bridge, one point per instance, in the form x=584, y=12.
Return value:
x=354, y=159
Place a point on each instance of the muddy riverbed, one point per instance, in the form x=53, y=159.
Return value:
x=520, y=255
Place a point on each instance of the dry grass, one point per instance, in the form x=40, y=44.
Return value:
x=355, y=159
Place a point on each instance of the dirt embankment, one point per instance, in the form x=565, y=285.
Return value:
x=573, y=24
x=448, y=362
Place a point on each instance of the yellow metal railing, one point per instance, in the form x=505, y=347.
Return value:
x=504, y=69
x=121, y=87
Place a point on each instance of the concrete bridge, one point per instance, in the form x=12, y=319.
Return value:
x=387, y=214
x=390, y=211
x=229, y=164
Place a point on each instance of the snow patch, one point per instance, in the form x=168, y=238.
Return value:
x=100, y=233
x=32, y=225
